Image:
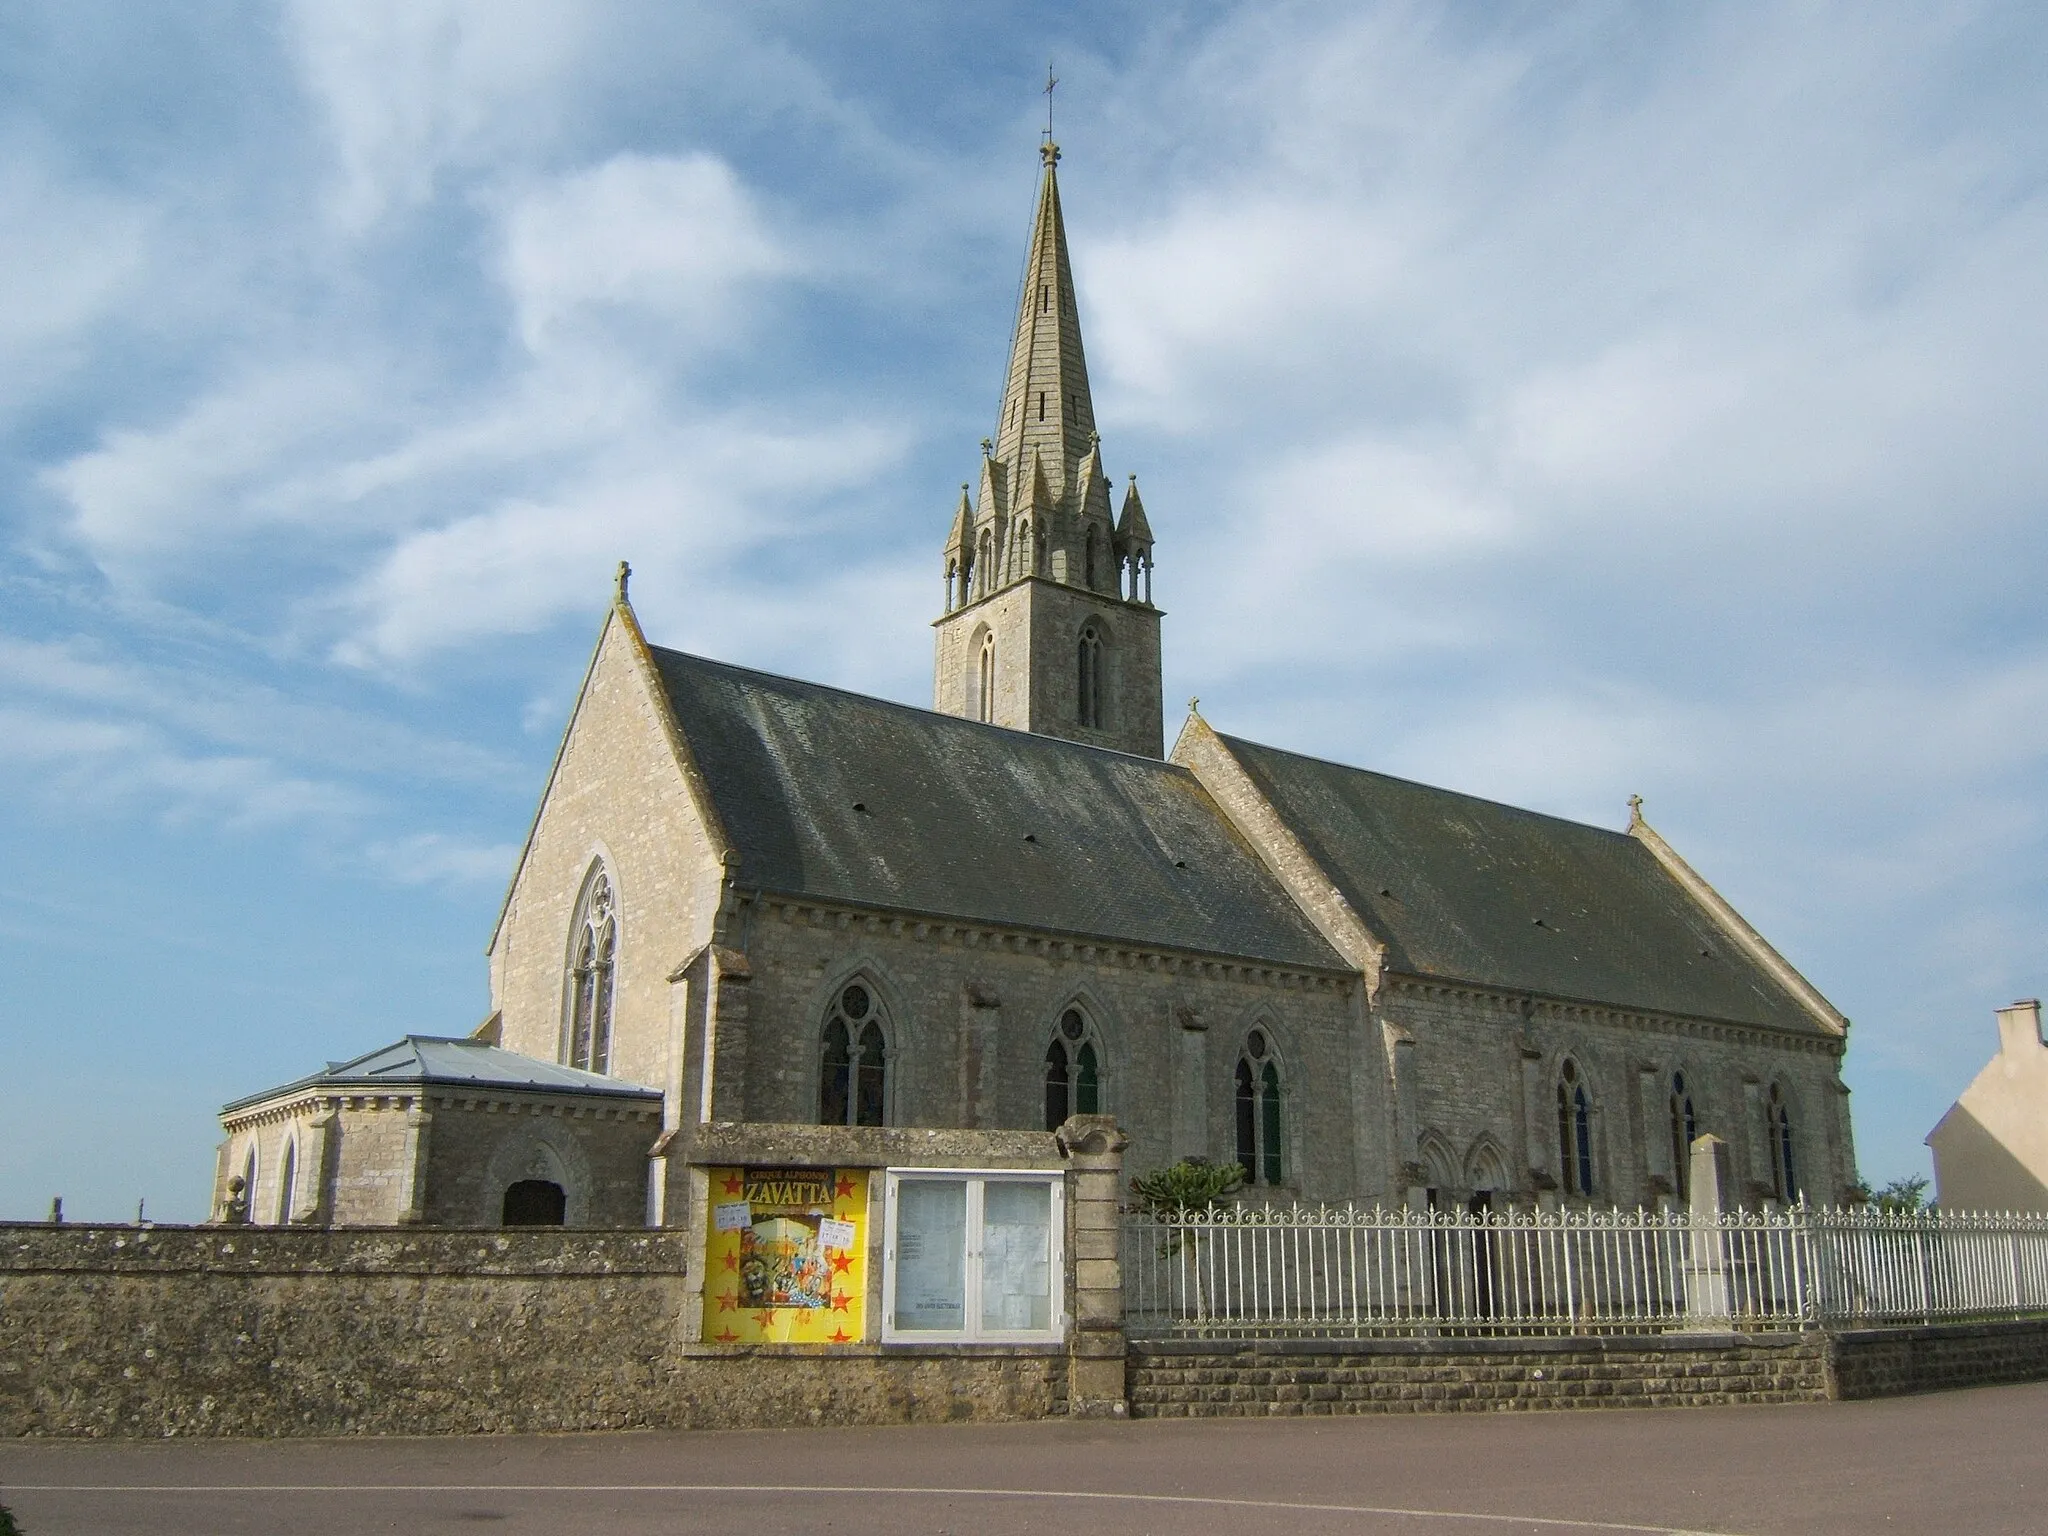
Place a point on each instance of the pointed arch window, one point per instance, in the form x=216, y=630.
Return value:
x=985, y=681
x=287, y=1177
x=1088, y=560
x=1574, y=1130
x=985, y=562
x=1258, y=1111
x=593, y=956
x=1073, y=1070
x=1089, y=682
x=1685, y=1130
x=1778, y=1128
x=853, y=1080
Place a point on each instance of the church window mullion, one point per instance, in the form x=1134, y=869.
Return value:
x=853, y=1075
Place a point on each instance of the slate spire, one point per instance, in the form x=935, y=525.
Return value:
x=1046, y=403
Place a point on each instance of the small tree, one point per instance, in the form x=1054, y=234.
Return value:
x=7, y=1525
x=1901, y=1196
x=1192, y=1184
x=1188, y=1188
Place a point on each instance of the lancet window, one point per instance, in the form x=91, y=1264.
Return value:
x=1089, y=682
x=1685, y=1129
x=1258, y=1111
x=1073, y=1071
x=287, y=1177
x=853, y=1080
x=1778, y=1128
x=593, y=957
x=985, y=681
x=1574, y=1131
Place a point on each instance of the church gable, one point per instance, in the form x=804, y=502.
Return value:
x=618, y=882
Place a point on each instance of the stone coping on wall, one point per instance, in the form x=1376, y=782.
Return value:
x=1446, y=1345
x=724, y=1143
x=32, y=1247
x=870, y=1351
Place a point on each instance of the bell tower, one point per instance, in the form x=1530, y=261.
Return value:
x=1049, y=624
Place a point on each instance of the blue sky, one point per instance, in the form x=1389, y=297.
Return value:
x=1554, y=402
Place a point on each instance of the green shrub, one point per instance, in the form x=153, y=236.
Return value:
x=1192, y=1184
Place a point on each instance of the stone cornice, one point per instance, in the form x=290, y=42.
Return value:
x=1608, y=1016
x=1087, y=949
x=573, y=1106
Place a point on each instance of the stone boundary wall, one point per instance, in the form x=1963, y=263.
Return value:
x=263, y=1331
x=258, y=1331
x=1890, y=1362
x=1269, y=1377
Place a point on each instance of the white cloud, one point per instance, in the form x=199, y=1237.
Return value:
x=67, y=254
x=675, y=238
x=435, y=858
x=409, y=88
x=89, y=766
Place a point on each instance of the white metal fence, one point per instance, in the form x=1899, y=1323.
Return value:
x=1342, y=1271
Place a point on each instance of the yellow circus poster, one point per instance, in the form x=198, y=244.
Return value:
x=785, y=1256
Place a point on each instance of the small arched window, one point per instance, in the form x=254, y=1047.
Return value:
x=1574, y=1131
x=1258, y=1111
x=1778, y=1127
x=853, y=1080
x=1089, y=682
x=985, y=681
x=1073, y=1071
x=1088, y=560
x=287, y=1180
x=593, y=952
x=1685, y=1130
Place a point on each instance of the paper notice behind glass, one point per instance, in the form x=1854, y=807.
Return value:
x=931, y=1255
x=835, y=1234
x=732, y=1216
x=1016, y=1257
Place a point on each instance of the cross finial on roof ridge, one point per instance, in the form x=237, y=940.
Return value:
x=625, y=574
x=1635, y=810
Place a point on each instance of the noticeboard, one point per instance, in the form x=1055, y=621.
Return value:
x=785, y=1256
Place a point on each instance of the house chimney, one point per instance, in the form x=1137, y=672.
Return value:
x=2019, y=1027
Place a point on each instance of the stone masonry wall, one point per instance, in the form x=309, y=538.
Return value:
x=196, y=1331
x=1347, y=1376
x=1471, y=1106
x=970, y=1012
x=1887, y=1362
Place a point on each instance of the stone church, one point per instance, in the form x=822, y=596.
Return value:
x=749, y=904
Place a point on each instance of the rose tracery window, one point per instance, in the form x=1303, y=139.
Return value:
x=853, y=1079
x=588, y=1031
x=1073, y=1071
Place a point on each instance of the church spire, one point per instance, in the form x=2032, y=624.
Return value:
x=1049, y=624
x=1046, y=403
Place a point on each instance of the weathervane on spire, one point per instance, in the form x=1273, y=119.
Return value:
x=1049, y=151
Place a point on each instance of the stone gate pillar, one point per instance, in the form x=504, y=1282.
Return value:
x=1094, y=1150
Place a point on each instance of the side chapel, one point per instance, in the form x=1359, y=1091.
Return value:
x=747, y=901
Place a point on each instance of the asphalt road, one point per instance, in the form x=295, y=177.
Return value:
x=1957, y=1463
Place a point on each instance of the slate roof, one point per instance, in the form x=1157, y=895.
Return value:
x=1456, y=886
x=437, y=1059
x=836, y=795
